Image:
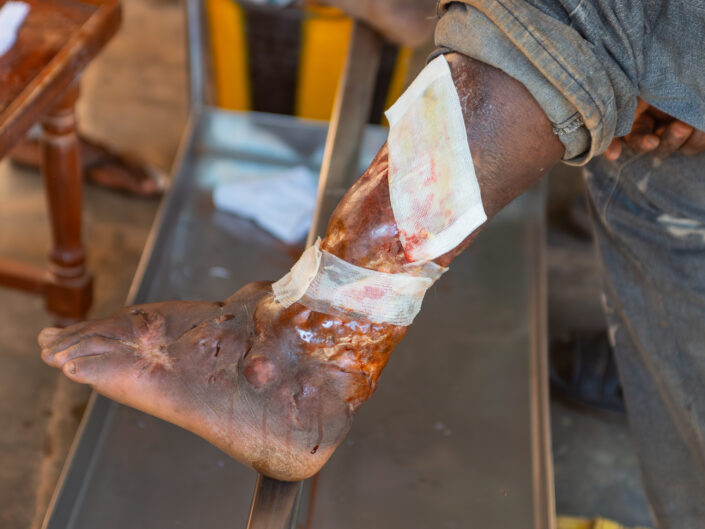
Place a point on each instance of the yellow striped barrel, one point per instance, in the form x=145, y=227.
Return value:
x=289, y=61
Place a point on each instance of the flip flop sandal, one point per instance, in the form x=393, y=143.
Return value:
x=583, y=371
x=121, y=172
x=103, y=166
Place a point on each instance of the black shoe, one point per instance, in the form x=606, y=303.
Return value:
x=583, y=371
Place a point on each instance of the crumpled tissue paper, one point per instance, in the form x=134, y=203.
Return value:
x=280, y=201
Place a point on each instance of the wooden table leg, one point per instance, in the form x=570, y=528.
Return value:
x=69, y=289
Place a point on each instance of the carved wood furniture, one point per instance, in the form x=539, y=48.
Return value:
x=39, y=84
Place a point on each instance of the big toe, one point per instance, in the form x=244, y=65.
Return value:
x=96, y=370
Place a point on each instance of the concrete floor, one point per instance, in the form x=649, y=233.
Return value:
x=134, y=96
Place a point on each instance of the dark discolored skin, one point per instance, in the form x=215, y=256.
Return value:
x=276, y=388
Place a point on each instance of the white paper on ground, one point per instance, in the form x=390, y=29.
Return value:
x=433, y=189
x=325, y=283
x=281, y=201
x=12, y=15
x=247, y=137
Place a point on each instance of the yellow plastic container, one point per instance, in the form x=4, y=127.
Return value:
x=319, y=39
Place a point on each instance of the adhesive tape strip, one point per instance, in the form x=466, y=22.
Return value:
x=325, y=283
x=433, y=189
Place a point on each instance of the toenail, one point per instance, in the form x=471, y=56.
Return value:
x=71, y=367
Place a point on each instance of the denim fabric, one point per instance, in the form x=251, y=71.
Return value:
x=649, y=217
x=594, y=57
x=489, y=45
x=596, y=54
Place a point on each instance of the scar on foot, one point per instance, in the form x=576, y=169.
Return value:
x=210, y=345
x=224, y=318
x=150, y=344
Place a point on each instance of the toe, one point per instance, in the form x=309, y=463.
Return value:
x=94, y=345
x=94, y=370
x=48, y=336
x=57, y=340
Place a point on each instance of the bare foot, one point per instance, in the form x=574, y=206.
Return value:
x=274, y=388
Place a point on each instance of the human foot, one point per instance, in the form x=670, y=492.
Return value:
x=274, y=388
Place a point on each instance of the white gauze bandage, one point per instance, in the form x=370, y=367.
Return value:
x=325, y=283
x=433, y=189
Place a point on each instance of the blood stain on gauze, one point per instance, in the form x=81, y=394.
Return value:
x=325, y=283
x=433, y=189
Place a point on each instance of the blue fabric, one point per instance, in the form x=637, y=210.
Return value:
x=593, y=58
x=649, y=217
x=598, y=55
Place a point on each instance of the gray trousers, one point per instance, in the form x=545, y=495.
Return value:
x=649, y=219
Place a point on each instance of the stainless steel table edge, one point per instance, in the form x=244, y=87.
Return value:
x=542, y=459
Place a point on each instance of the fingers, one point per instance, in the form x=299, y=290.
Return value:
x=642, y=137
x=674, y=135
x=95, y=345
x=656, y=132
x=695, y=143
x=614, y=150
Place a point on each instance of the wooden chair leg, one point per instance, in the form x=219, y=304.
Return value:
x=69, y=289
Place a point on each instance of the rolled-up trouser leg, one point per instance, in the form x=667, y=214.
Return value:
x=649, y=217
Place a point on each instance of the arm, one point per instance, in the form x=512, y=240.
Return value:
x=656, y=132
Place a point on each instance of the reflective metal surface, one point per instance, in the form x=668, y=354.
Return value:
x=456, y=434
x=351, y=111
x=272, y=503
x=196, y=55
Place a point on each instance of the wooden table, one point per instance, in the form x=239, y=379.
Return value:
x=39, y=84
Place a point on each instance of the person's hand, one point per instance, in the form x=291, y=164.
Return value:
x=407, y=22
x=657, y=132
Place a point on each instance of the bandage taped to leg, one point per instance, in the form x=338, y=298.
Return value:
x=436, y=203
x=433, y=189
x=325, y=283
